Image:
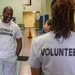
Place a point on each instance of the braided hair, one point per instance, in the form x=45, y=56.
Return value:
x=63, y=18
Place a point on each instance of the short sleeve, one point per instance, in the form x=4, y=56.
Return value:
x=33, y=58
x=18, y=32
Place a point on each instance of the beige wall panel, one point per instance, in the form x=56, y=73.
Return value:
x=29, y=19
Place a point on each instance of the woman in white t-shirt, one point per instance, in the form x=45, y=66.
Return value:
x=47, y=25
x=54, y=52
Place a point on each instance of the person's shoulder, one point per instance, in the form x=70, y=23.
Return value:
x=44, y=37
x=41, y=36
x=72, y=33
x=14, y=24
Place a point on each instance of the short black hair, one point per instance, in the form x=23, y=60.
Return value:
x=49, y=22
x=6, y=8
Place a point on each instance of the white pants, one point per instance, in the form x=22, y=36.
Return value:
x=8, y=66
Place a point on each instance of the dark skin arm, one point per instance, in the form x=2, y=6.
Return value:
x=35, y=71
x=19, y=46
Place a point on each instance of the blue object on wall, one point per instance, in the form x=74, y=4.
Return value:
x=41, y=22
x=46, y=17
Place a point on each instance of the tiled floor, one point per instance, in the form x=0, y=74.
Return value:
x=23, y=67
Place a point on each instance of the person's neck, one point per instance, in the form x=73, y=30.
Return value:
x=5, y=21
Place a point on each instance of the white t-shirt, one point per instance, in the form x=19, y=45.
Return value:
x=54, y=57
x=8, y=34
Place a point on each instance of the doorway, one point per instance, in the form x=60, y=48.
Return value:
x=29, y=19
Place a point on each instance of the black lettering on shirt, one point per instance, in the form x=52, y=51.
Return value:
x=58, y=51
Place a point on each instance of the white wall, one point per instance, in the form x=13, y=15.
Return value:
x=48, y=7
x=35, y=6
x=18, y=8
x=43, y=7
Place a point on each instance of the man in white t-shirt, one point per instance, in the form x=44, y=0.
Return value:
x=10, y=43
x=54, y=52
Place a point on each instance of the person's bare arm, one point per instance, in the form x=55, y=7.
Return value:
x=35, y=71
x=19, y=46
